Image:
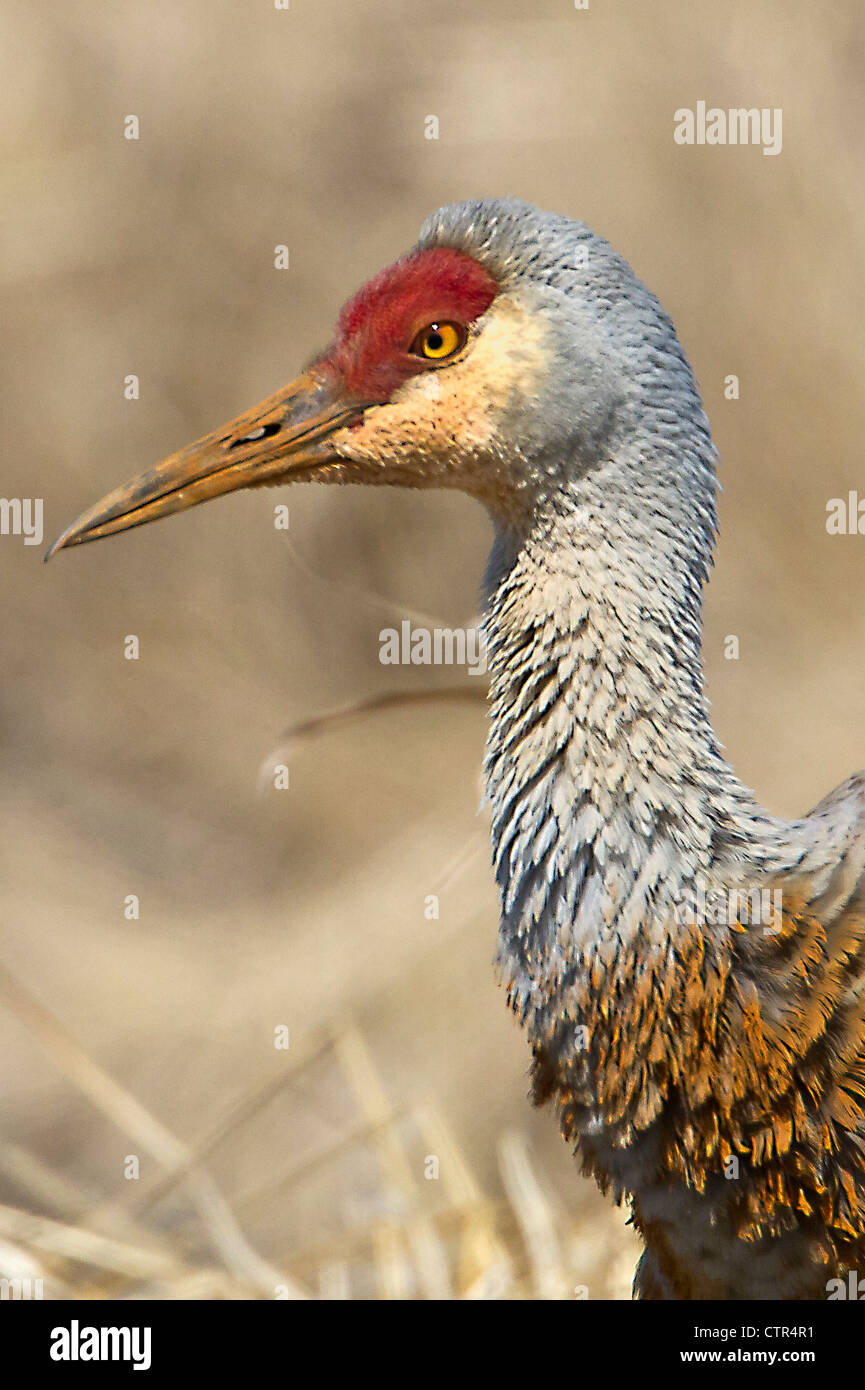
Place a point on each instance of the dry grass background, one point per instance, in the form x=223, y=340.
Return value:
x=305, y=908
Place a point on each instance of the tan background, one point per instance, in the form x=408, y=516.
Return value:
x=305, y=907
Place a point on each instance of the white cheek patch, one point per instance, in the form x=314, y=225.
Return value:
x=511, y=354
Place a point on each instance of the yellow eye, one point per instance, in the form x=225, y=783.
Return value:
x=439, y=340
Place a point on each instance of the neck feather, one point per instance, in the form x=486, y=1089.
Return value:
x=609, y=795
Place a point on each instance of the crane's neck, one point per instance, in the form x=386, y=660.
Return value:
x=609, y=796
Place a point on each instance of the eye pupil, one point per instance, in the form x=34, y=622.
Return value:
x=435, y=341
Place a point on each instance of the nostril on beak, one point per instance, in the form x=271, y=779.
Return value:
x=263, y=432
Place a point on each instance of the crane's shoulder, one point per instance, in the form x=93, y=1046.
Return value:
x=844, y=807
x=829, y=877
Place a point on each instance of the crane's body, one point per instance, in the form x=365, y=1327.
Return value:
x=708, y=1065
x=712, y=1070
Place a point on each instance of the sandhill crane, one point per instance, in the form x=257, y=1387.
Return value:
x=707, y=1057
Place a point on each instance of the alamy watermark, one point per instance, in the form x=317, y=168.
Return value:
x=725, y=907
x=21, y=1289
x=853, y=1289
x=845, y=516
x=123, y=1343
x=438, y=646
x=738, y=125
x=22, y=516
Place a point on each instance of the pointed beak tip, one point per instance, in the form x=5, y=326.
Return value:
x=282, y=437
x=61, y=543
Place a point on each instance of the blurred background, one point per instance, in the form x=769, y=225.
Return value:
x=155, y=1139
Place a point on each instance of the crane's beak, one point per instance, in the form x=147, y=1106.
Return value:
x=286, y=436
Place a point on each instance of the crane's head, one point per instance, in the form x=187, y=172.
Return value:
x=506, y=355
